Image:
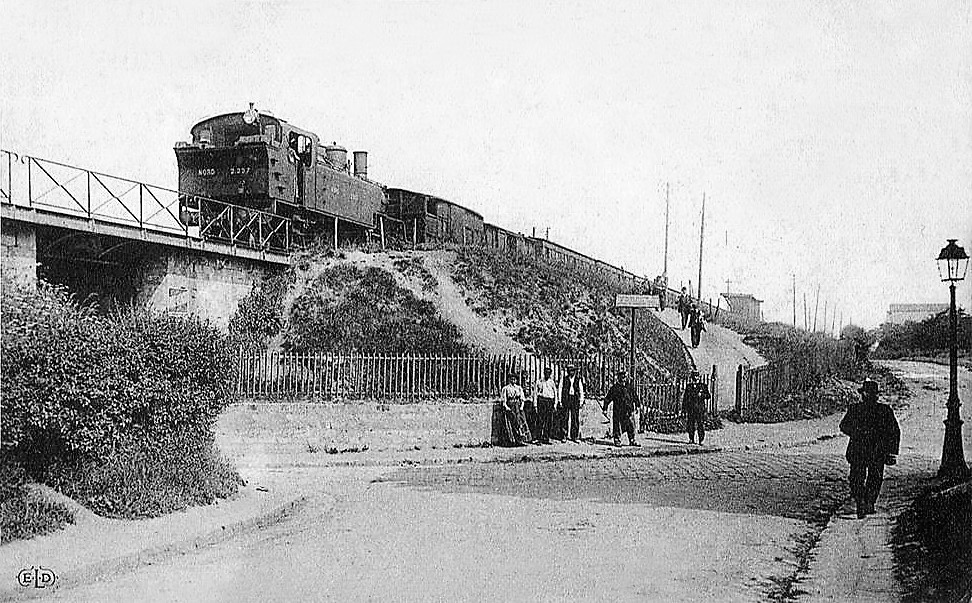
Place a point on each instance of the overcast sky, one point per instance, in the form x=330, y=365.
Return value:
x=833, y=140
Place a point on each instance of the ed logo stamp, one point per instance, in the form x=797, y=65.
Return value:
x=38, y=577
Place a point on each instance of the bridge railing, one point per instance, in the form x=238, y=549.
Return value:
x=67, y=190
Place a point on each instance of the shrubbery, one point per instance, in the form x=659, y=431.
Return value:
x=815, y=356
x=928, y=337
x=259, y=316
x=348, y=308
x=84, y=393
x=23, y=515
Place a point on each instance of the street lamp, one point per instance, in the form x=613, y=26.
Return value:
x=952, y=265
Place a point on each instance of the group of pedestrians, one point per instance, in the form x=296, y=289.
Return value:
x=692, y=316
x=554, y=412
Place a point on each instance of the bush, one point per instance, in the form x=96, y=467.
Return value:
x=79, y=387
x=933, y=544
x=814, y=356
x=352, y=309
x=22, y=514
x=147, y=479
x=259, y=316
x=922, y=338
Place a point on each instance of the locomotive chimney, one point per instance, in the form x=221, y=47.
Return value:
x=361, y=164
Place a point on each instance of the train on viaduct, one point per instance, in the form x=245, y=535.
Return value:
x=255, y=160
x=252, y=189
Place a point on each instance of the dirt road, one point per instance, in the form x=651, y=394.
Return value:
x=704, y=527
x=731, y=526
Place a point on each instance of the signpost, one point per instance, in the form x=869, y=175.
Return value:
x=634, y=302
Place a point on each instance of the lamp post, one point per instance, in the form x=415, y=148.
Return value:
x=952, y=265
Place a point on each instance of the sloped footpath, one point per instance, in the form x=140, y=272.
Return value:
x=719, y=347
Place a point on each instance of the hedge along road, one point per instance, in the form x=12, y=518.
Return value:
x=697, y=527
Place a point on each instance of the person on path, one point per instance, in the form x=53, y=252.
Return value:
x=684, y=306
x=874, y=439
x=623, y=396
x=661, y=285
x=693, y=406
x=571, y=399
x=696, y=325
x=512, y=399
x=531, y=416
x=546, y=404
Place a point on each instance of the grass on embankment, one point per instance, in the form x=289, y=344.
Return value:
x=556, y=312
x=23, y=514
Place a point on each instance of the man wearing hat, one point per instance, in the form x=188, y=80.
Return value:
x=571, y=400
x=623, y=396
x=874, y=440
x=693, y=406
x=684, y=306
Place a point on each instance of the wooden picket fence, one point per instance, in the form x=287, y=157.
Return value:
x=335, y=376
x=325, y=376
x=781, y=378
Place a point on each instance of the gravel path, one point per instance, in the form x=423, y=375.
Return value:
x=719, y=346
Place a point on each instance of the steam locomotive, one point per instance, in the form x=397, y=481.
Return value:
x=257, y=161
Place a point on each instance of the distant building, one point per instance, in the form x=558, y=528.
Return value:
x=902, y=313
x=745, y=305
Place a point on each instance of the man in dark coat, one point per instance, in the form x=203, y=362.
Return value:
x=684, y=306
x=696, y=325
x=623, y=396
x=874, y=440
x=693, y=406
x=571, y=400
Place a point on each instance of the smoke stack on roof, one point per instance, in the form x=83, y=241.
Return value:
x=361, y=164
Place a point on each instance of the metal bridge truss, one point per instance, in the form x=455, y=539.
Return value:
x=70, y=191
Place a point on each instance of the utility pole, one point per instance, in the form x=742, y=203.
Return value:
x=816, y=306
x=727, y=286
x=665, y=265
x=701, y=240
x=806, y=316
x=823, y=325
x=794, y=301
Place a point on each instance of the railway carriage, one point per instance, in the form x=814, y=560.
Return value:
x=429, y=219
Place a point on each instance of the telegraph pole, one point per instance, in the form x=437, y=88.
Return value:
x=701, y=240
x=794, y=301
x=806, y=316
x=816, y=306
x=824, y=323
x=665, y=265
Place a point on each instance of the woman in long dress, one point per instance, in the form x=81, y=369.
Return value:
x=512, y=398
